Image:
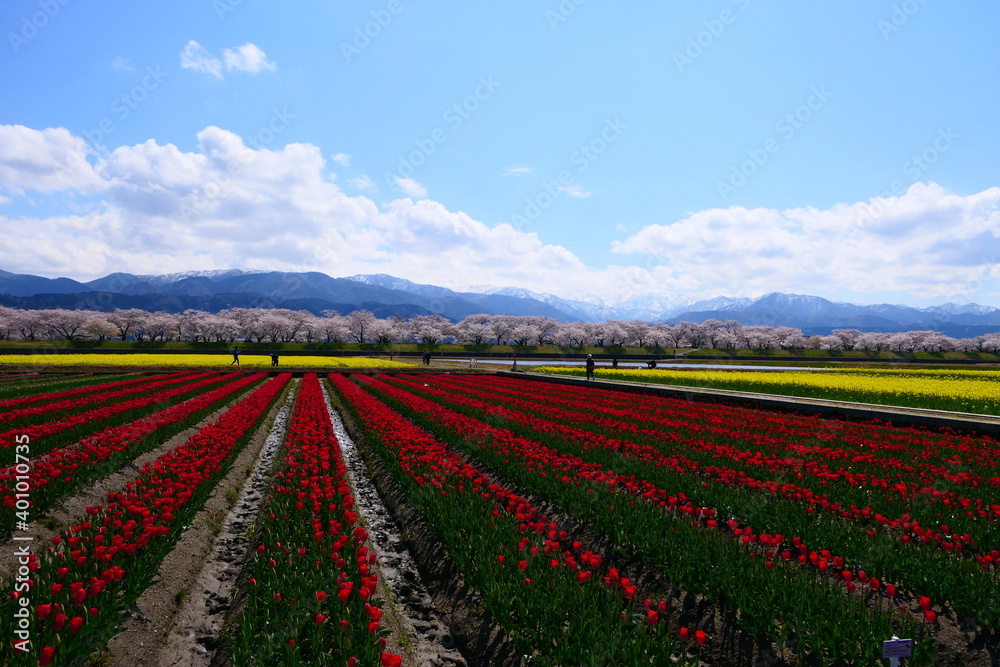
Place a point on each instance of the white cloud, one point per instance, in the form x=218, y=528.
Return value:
x=122, y=63
x=363, y=183
x=341, y=158
x=161, y=209
x=152, y=208
x=410, y=187
x=247, y=58
x=5, y=200
x=45, y=161
x=518, y=171
x=927, y=242
x=196, y=57
x=573, y=190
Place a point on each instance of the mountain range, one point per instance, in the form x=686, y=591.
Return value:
x=387, y=295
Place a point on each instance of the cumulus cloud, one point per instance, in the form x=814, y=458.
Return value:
x=46, y=161
x=927, y=242
x=410, y=187
x=247, y=58
x=341, y=158
x=197, y=57
x=152, y=208
x=224, y=204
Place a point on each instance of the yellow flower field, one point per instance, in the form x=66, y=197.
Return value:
x=976, y=391
x=220, y=360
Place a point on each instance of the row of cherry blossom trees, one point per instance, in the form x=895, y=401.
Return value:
x=258, y=325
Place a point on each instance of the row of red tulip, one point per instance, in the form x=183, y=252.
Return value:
x=53, y=406
x=80, y=586
x=553, y=597
x=64, y=428
x=590, y=489
x=696, y=454
x=970, y=589
x=59, y=473
x=51, y=397
x=310, y=587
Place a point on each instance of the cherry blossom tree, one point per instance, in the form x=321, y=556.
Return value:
x=430, y=329
x=359, y=324
x=334, y=327
x=501, y=326
x=67, y=324
x=524, y=332
x=128, y=321
x=473, y=330
x=100, y=328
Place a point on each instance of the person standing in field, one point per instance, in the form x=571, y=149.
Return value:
x=236, y=356
x=274, y=358
x=590, y=367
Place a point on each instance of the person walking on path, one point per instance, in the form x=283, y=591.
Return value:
x=590, y=367
x=236, y=356
x=427, y=358
x=274, y=358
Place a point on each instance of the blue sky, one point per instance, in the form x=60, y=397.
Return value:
x=584, y=148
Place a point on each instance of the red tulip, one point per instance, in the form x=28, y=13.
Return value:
x=320, y=619
x=700, y=637
x=59, y=622
x=684, y=634
x=75, y=624
x=46, y=656
x=925, y=602
x=930, y=615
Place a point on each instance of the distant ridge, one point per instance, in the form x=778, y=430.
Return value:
x=387, y=295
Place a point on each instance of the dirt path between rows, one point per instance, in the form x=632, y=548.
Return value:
x=195, y=636
x=471, y=629
x=419, y=634
x=144, y=636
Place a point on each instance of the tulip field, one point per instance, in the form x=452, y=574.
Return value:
x=961, y=390
x=216, y=360
x=590, y=526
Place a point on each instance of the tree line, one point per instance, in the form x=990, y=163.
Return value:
x=278, y=325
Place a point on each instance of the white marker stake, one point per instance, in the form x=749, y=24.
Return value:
x=897, y=648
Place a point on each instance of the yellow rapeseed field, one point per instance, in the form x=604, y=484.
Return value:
x=976, y=391
x=219, y=360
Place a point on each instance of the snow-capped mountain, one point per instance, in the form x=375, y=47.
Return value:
x=387, y=295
